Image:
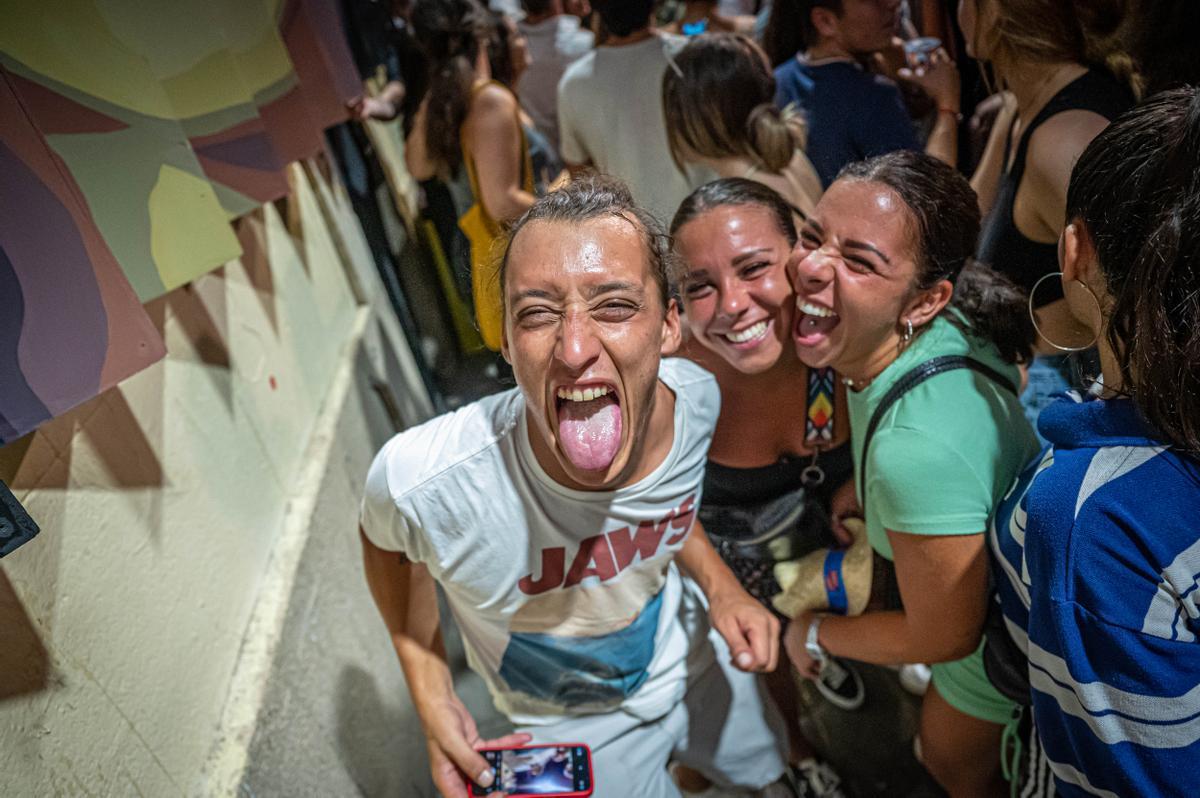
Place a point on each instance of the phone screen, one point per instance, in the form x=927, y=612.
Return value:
x=540, y=770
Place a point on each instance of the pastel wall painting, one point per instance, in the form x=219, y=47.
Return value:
x=70, y=325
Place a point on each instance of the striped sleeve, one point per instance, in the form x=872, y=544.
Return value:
x=1113, y=659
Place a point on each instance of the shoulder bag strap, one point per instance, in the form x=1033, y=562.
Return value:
x=913, y=378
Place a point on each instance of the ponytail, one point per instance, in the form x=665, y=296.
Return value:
x=1136, y=192
x=996, y=309
x=449, y=32
x=774, y=136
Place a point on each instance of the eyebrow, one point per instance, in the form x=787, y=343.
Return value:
x=615, y=285
x=750, y=254
x=532, y=293
x=850, y=242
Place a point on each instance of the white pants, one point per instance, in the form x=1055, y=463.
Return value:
x=725, y=727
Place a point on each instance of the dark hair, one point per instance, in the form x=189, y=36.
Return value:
x=449, y=32
x=790, y=29
x=623, y=17
x=499, y=48
x=1136, y=189
x=736, y=191
x=593, y=196
x=945, y=216
x=536, y=8
x=719, y=101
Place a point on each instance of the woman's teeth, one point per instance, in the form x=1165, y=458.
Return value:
x=585, y=395
x=748, y=334
x=814, y=310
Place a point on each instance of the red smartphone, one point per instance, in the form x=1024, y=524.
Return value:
x=563, y=770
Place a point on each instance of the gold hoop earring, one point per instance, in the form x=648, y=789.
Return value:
x=1042, y=335
x=908, y=331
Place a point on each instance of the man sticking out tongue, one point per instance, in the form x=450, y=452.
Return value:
x=559, y=518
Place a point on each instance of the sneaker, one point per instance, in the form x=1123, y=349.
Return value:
x=814, y=778
x=915, y=678
x=841, y=685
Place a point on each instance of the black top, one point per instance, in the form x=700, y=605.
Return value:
x=1001, y=245
x=727, y=486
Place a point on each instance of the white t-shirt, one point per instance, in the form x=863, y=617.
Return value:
x=568, y=601
x=610, y=113
x=553, y=44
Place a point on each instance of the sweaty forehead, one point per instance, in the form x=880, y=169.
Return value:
x=559, y=256
x=865, y=210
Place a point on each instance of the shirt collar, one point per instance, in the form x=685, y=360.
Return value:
x=1076, y=423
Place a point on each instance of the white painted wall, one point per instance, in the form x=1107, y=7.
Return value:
x=161, y=503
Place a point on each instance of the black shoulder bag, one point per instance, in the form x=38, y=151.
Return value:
x=1004, y=662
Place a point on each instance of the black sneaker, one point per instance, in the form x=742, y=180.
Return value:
x=813, y=778
x=841, y=685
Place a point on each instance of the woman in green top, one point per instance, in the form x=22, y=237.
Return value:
x=880, y=289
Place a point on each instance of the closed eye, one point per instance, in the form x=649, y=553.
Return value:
x=616, y=310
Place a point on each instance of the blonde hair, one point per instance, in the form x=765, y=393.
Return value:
x=719, y=101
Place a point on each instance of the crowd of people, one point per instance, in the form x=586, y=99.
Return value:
x=762, y=289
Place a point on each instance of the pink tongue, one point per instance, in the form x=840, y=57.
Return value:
x=590, y=432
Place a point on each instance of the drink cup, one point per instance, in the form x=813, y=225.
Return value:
x=919, y=52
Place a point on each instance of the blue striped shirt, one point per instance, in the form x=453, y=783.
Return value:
x=1099, y=541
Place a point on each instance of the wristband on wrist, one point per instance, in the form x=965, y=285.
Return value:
x=956, y=114
x=812, y=646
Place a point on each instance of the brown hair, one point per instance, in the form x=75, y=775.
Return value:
x=449, y=32
x=1136, y=189
x=1077, y=31
x=790, y=28
x=594, y=196
x=945, y=222
x=719, y=101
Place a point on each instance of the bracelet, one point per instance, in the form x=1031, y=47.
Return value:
x=812, y=645
x=956, y=114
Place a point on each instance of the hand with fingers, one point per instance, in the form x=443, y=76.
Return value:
x=843, y=505
x=454, y=744
x=750, y=629
x=940, y=80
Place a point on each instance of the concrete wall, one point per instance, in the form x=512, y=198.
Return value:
x=137, y=631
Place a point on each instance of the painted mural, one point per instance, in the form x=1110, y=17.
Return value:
x=131, y=135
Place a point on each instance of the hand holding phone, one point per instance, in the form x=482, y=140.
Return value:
x=563, y=770
x=454, y=746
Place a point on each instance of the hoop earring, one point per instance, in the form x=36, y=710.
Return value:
x=1042, y=335
x=908, y=331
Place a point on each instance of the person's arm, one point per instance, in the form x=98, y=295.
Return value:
x=940, y=81
x=404, y=593
x=384, y=106
x=751, y=631
x=416, y=154
x=493, y=137
x=986, y=180
x=943, y=583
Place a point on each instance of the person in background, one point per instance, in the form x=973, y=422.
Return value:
x=781, y=447
x=881, y=294
x=610, y=113
x=555, y=40
x=720, y=111
x=467, y=121
x=1052, y=57
x=851, y=113
x=704, y=16
x=509, y=60
x=559, y=520
x=1097, y=544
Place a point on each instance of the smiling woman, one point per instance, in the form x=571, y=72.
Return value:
x=883, y=297
x=780, y=449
